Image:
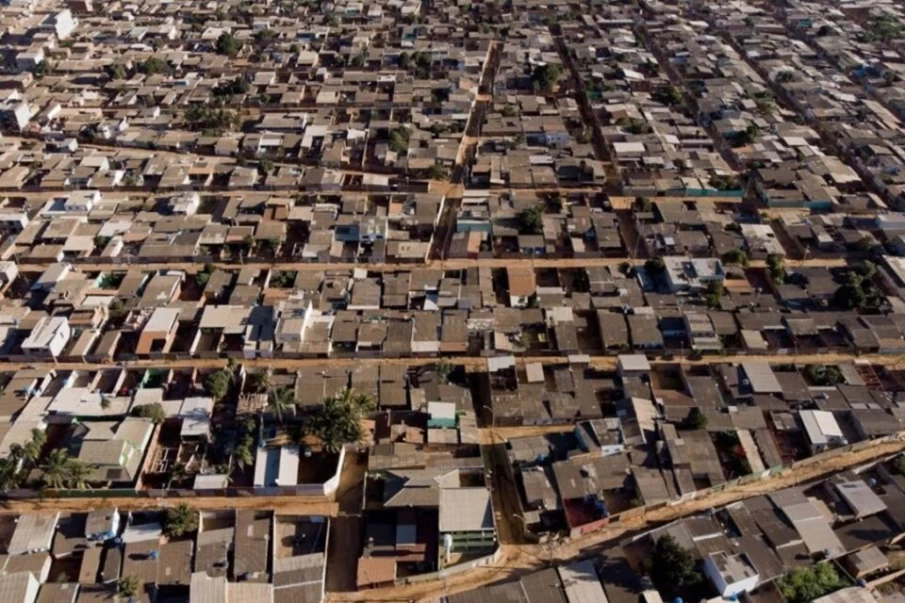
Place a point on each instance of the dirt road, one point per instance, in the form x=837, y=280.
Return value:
x=536, y=263
x=289, y=505
x=520, y=559
x=470, y=363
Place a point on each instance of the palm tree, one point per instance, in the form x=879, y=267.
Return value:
x=10, y=477
x=78, y=474
x=54, y=468
x=180, y=520
x=338, y=421
x=129, y=586
x=280, y=401
x=263, y=382
x=31, y=452
x=243, y=456
x=105, y=403
x=178, y=472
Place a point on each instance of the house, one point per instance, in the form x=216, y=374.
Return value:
x=206, y=589
x=185, y=204
x=692, y=274
x=115, y=450
x=20, y=587
x=196, y=417
x=731, y=575
x=580, y=582
x=601, y=437
x=33, y=533
x=48, y=338
x=466, y=520
x=522, y=285
x=102, y=524
x=159, y=331
x=821, y=429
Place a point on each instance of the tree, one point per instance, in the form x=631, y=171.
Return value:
x=31, y=451
x=776, y=269
x=202, y=278
x=78, y=474
x=43, y=68
x=668, y=96
x=153, y=65
x=509, y=110
x=531, y=221
x=280, y=401
x=654, y=266
x=899, y=464
x=444, y=370
x=263, y=381
x=181, y=519
x=265, y=167
x=546, y=77
x=264, y=37
x=696, y=419
x=338, y=421
x=153, y=411
x=244, y=457
x=714, y=293
x=399, y=139
x=217, y=383
x=437, y=172
x=785, y=76
x=116, y=71
x=672, y=567
x=129, y=587
x=55, y=468
x=822, y=375
x=10, y=476
x=177, y=473
x=643, y=204
x=735, y=256
x=808, y=583
x=228, y=44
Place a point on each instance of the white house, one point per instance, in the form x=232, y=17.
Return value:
x=16, y=112
x=185, y=204
x=822, y=430
x=28, y=60
x=33, y=533
x=62, y=23
x=82, y=200
x=13, y=220
x=8, y=272
x=730, y=574
x=48, y=338
x=684, y=274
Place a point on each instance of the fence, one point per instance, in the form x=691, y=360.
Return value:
x=325, y=490
x=491, y=559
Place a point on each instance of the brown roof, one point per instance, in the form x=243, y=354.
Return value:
x=58, y=592
x=521, y=281
x=175, y=565
x=376, y=570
